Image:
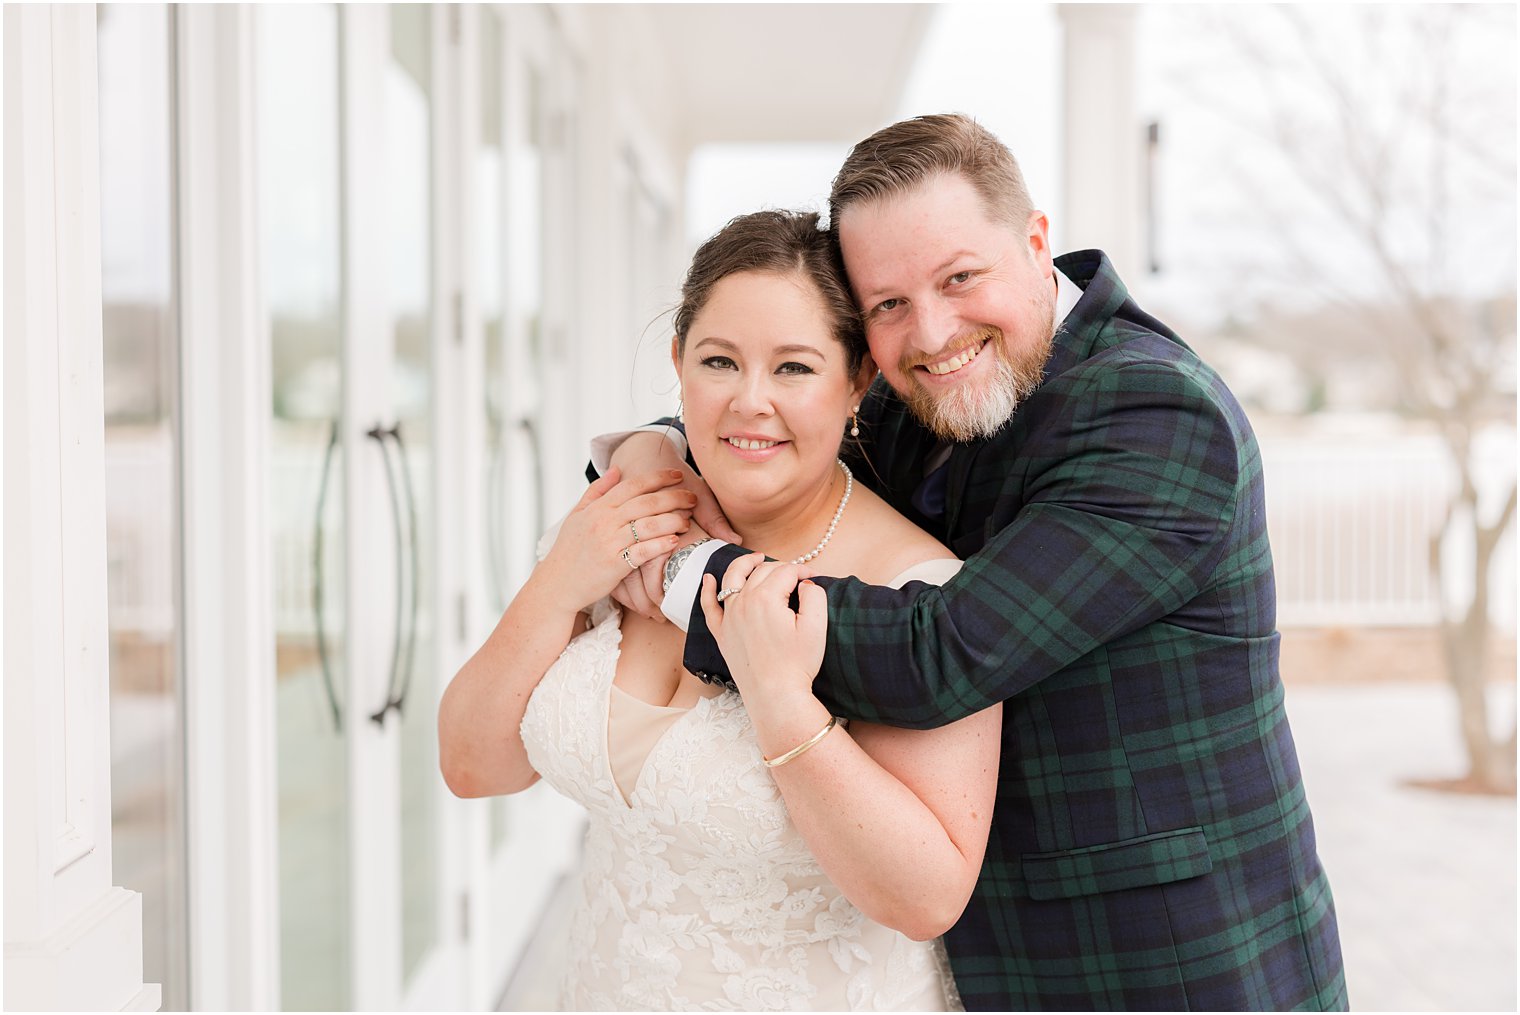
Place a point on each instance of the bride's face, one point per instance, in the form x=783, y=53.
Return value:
x=767, y=391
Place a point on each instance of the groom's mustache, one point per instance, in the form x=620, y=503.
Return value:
x=971, y=340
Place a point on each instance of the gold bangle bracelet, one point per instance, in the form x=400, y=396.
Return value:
x=803, y=747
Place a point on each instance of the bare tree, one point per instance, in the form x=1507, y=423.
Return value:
x=1397, y=141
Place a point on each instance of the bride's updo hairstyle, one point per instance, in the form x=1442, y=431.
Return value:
x=781, y=243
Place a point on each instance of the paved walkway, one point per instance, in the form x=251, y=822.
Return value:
x=1424, y=882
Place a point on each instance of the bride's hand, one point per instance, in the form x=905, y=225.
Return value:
x=596, y=547
x=772, y=651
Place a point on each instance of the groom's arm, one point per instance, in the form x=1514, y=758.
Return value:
x=604, y=447
x=1131, y=488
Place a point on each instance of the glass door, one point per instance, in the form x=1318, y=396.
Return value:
x=511, y=163
x=348, y=142
x=490, y=233
x=135, y=47
x=300, y=177
x=411, y=147
x=524, y=172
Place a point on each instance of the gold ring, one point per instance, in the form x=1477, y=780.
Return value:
x=629, y=560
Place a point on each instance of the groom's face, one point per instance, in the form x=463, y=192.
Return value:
x=959, y=306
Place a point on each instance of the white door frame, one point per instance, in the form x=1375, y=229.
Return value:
x=374, y=756
x=224, y=396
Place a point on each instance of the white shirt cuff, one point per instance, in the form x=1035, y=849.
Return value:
x=682, y=597
x=603, y=445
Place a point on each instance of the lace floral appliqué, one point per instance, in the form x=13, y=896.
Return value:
x=699, y=892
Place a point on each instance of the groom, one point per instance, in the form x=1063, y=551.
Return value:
x=1151, y=846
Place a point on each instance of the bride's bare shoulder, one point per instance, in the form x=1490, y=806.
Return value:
x=887, y=543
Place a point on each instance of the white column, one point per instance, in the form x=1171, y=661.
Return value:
x=373, y=752
x=72, y=940
x=1101, y=139
x=225, y=399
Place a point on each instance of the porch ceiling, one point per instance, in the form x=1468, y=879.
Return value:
x=789, y=72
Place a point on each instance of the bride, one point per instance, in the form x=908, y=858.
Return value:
x=746, y=849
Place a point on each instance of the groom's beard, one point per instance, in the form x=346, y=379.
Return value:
x=977, y=409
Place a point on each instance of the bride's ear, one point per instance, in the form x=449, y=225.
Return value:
x=675, y=354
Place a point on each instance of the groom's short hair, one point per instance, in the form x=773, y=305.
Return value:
x=898, y=158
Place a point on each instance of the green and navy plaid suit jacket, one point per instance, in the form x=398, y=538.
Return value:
x=1151, y=845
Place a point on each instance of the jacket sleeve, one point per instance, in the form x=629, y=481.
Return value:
x=1128, y=491
x=603, y=445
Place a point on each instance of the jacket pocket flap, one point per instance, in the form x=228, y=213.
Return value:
x=1131, y=863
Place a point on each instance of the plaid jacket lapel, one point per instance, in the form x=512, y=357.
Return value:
x=962, y=458
x=900, y=446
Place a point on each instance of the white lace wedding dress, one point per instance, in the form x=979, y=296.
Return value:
x=697, y=892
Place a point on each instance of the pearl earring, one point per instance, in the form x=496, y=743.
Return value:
x=855, y=421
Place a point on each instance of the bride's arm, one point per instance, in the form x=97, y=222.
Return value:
x=480, y=748
x=898, y=819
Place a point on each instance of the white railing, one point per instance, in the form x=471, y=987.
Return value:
x=1349, y=518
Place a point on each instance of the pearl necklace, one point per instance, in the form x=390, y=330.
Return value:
x=849, y=485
